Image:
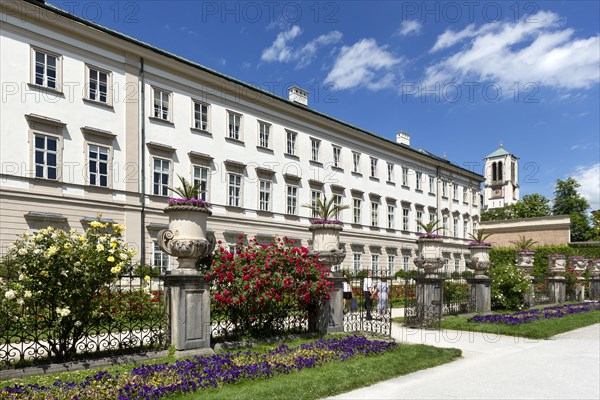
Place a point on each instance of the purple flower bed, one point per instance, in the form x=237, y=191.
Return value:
x=523, y=317
x=158, y=380
x=188, y=202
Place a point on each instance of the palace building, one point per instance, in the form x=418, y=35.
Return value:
x=94, y=121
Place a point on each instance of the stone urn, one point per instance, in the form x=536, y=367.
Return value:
x=525, y=260
x=579, y=264
x=430, y=254
x=480, y=260
x=557, y=265
x=593, y=267
x=186, y=237
x=326, y=243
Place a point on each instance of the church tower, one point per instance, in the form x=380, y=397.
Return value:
x=501, y=179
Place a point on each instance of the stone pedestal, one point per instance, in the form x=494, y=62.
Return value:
x=557, y=289
x=480, y=294
x=594, y=288
x=330, y=317
x=189, y=305
x=429, y=300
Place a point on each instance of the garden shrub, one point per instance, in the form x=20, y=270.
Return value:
x=58, y=279
x=509, y=286
x=258, y=286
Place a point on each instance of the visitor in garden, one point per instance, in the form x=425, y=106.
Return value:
x=368, y=292
x=382, y=292
x=347, y=294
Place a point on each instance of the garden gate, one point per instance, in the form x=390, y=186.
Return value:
x=371, y=316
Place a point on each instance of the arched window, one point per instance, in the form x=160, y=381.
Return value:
x=493, y=171
x=500, y=170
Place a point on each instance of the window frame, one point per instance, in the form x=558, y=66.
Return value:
x=336, y=152
x=108, y=162
x=169, y=175
x=314, y=195
x=169, y=103
x=58, y=69
x=419, y=218
x=57, y=154
x=356, y=210
x=239, y=185
x=375, y=264
x=238, y=136
x=88, y=76
x=405, y=219
x=265, y=204
x=405, y=182
x=356, y=262
x=391, y=216
x=373, y=169
x=197, y=123
x=156, y=249
x=374, y=213
x=291, y=138
x=390, y=172
x=203, y=195
x=419, y=181
x=315, y=149
x=265, y=144
x=356, y=162
x=295, y=197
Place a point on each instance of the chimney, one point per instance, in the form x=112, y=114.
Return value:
x=403, y=138
x=298, y=95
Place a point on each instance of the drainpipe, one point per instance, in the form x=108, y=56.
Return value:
x=143, y=164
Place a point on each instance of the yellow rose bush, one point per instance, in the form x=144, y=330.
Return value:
x=56, y=279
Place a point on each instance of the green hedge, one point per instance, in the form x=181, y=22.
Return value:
x=504, y=255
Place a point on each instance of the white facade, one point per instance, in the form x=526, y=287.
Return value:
x=501, y=186
x=260, y=157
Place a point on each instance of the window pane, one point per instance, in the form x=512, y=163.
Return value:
x=51, y=173
x=51, y=159
x=51, y=143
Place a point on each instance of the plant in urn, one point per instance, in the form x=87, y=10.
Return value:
x=186, y=237
x=480, y=253
x=429, y=248
x=524, y=254
x=557, y=265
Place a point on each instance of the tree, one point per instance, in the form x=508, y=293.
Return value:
x=567, y=201
x=531, y=206
x=596, y=224
x=497, y=214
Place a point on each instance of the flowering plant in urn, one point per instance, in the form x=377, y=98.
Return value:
x=480, y=253
x=430, y=247
x=524, y=253
x=186, y=237
x=326, y=228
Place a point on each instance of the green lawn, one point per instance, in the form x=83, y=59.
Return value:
x=539, y=329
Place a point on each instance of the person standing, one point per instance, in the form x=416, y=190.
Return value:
x=382, y=293
x=367, y=292
x=347, y=294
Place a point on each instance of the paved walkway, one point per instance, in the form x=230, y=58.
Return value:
x=498, y=367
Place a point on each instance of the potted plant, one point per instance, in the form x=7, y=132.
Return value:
x=186, y=237
x=524, y=253
x=430, y=247
x=557, y=264
x=326, y=228
x=480, y=253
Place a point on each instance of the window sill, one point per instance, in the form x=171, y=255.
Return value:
x=264, y=213
x=234, y=208
x=419, y=191
x=46, y=89
x=98, y=103
x=356, y=226
x=444, y=197
x=431, y=194
x=200, y=131
x=391, y=183
x=338, y=169
x=234, y=141
x=316, y=163
x=405, y=187
x=161, y=121
x=293, y=156
x=373, y=178
x=265, y=149
x=455, y=201
x=390, y=230
x=357, y=174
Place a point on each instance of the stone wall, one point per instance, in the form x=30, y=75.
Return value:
x=551, y=230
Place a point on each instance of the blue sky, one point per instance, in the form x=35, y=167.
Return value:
x=460, y=77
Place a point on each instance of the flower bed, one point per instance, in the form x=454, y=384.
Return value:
x=156, y=381
x=524, y=317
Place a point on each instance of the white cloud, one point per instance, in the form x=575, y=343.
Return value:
x=509, y=52
x=364, y=64
x=282, y=51
x=589, y=178
x=409, y=27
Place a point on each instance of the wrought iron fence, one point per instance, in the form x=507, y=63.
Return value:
x=369, y=313
x=541, y=292
x=128, y=316
x=457, y=298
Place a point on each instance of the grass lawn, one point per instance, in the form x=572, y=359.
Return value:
x=539, y=329
x=312, y=383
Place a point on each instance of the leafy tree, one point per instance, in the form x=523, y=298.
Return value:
x=531, y=206
x=568, y=201
x=497, y=214
x=596, y=224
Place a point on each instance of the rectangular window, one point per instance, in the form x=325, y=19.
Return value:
x=356, y=162
x=445, y=226
x=97, y=85
x=161, y=104
x=45, y=69
x=373, y=167
x=264, y=133
x=446, y=265
x=291, y=142
x=475, y=228
x=444, y=189
x=391, y=260
x=46, y=157
x=375, y=264
x=234, y=190
x=404, y=176
x=465, y=195
x=356, y=209
x=314, y=149
x=405, y=219
x=201, y=116
x=374, y=214
x=314, y=196
x=390, y=172
x=264, y=195
x=455, y=227
x=160, y=259
x=292, y=199
x=356, y=263
x=98, y=165
x=161, y=177
x=419, y=181
x=405, y=262
x=419, y=221
x=337, y=201
x=391, y=211
x=337, y=156
x=455, y=191
x=432, y=184
x=234, y=123
x=201, y=178
x=456, y=264
x=474, y=199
